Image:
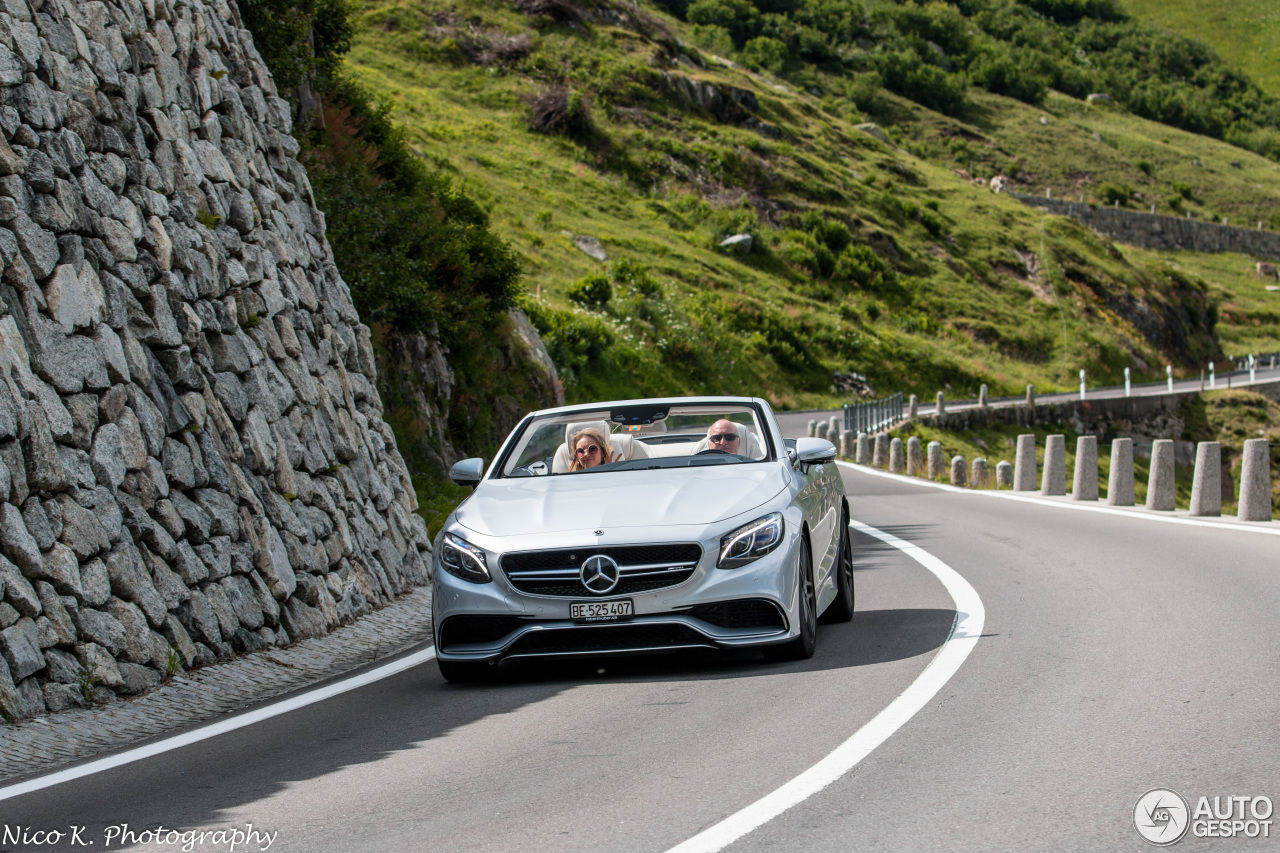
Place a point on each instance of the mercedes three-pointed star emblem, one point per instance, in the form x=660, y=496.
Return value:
x=599, y=574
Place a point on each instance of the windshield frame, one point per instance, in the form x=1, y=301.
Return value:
x=513, y=441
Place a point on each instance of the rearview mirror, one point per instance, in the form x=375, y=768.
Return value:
x=468, y=472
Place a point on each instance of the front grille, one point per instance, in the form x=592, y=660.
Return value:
x=608, y=638
x=463, y=630
x=746, y=613
x=642, y=568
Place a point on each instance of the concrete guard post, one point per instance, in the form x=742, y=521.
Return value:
x=913, y=407
x=1024, y=468
x=1004, y=474
x=1054, y=479
x=1031, y=395
x=864, y=449
x=915, y=457
x=881, y=458
x=1161, y=488
x=1120, y=482
x=1206, y=487
x=957, y=471
x=941, y=404
x=812, y=430
x=1084, y=485
x=897, y=464
x=978, y=474
x=848, y=444
x=937, y=467
x=1255, y=481
x=822, y=430
x=835, y=425
x=982, y=396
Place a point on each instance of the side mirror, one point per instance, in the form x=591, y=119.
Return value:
x=814, y=451
x=468, y=472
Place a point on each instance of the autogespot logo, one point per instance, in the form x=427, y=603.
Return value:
x=1161, y=816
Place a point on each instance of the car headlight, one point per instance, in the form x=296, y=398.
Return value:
x=462, y=559
x=751, y=541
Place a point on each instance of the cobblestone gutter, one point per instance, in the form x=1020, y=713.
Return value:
x=193, y=460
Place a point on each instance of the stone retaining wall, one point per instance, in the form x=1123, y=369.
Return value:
x=1151, y=231
x=193, y=460
x=1143, y=419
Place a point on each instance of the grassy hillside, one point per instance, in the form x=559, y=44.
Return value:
x=1246, y=33
x=867, y=257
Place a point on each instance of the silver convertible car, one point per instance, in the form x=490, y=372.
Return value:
x=638, y=527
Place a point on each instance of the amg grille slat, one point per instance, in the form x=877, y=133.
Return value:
x=465, y=630
x=608, y=638
x=745, y=613
x=555, y=573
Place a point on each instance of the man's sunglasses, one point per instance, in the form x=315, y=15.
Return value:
x=722, y=436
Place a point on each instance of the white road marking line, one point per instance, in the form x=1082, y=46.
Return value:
x=965, y=632
x=1270, y=528
x=222, y=726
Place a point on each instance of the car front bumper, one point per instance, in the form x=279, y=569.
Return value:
x=495, y=621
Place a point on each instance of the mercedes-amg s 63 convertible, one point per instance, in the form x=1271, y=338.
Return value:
x=642, y=526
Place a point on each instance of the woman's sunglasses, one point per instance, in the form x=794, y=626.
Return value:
x=588, y=450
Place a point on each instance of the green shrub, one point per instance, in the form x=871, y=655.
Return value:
x=1147, y=168
x=859, y=265
x=573, y=340
x=634, y=275
x=1111, y=193
x=766, y=54
x=737, y=17
x=592, y=291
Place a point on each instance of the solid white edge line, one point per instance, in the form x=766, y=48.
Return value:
x=222, y=726
x=965, y=631
x=1081, y=506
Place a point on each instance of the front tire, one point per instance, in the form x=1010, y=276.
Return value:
x=465, y=672
x=841, y=609
x=802, y=647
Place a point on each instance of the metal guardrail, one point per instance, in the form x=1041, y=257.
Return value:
x=874, y=415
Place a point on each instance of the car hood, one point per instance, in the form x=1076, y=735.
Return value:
x=525, y=505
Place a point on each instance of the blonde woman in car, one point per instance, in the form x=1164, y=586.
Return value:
x=591, y=448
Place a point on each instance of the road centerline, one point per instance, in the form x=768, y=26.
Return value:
x=965, y=632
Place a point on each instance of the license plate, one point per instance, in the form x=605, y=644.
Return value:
x=600, y=611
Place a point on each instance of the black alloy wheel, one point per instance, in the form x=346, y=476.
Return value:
x=841, y=609
x=802, y=647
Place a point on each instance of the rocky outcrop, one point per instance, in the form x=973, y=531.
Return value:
x=193, y=458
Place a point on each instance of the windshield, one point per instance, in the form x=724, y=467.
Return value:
x=638, y=437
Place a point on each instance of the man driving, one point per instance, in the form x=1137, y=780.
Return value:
x=723, y=435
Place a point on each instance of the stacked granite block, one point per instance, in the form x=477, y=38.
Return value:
x=192, y=451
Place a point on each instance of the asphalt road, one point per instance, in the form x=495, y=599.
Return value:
x=1118, y=655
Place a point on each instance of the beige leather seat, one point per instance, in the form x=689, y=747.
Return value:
x=623, y=444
